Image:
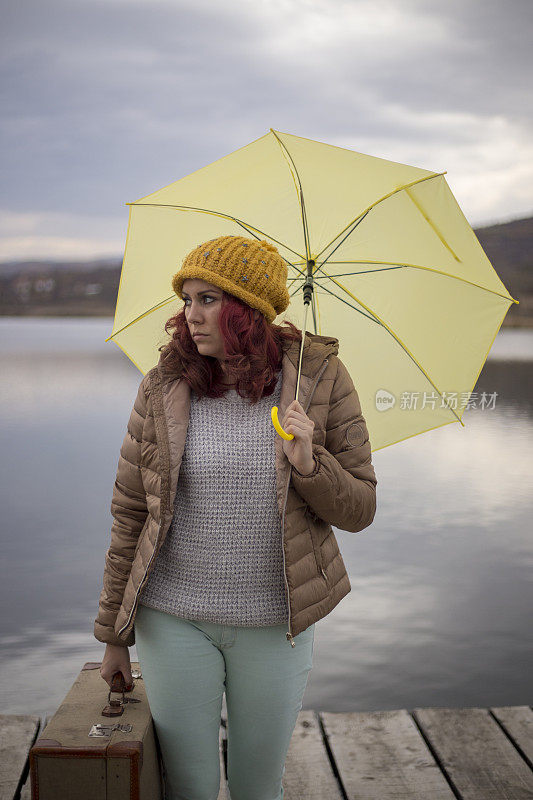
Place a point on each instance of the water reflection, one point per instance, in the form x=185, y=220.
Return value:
x=441, y=596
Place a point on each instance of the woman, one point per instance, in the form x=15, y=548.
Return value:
x=220, y=576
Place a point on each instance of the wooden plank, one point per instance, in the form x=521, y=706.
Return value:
x=380, y=755
x=518, y=724
x=17, y=735
x=308, y=770
x=478, y=758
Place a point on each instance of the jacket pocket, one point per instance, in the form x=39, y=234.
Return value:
x=315, y=539
x=141, y=535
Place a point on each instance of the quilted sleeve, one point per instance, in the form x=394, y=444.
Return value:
x=129, y=511
x=342, y=488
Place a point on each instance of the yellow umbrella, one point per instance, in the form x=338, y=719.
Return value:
x=380, y=250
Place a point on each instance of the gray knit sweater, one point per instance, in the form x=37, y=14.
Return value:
x=222, y=558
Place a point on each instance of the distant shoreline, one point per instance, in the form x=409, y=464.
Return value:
x=49, y=313
x=89, y=288
x=513, y=318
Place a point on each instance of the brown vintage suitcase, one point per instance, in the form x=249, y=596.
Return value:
x=74, y=760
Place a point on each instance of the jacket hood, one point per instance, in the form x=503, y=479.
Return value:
x=316, y=349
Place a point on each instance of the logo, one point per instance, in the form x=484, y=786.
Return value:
x=384, y=400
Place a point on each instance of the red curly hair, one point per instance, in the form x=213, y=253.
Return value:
x=253, y=347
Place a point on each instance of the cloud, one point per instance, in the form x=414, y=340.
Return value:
x=57, y=234
x=489, y=161
x=107, y=101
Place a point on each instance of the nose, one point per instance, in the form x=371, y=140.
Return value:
x=194, y=312
x=194, y=316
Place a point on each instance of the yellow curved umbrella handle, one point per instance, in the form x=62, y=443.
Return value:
x=275, y=422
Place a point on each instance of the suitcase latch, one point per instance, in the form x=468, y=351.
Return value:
x=106, y=730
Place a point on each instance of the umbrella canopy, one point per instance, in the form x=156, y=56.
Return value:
x=397, y=273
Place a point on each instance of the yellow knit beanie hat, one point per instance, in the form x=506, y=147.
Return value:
x=251, y=269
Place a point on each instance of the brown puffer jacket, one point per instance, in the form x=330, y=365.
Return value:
x=341, y=491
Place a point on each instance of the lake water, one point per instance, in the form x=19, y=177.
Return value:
x=441, y=604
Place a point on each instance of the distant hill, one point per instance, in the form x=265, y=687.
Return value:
x=36, y=265
x=509, y=247
x=89, y=287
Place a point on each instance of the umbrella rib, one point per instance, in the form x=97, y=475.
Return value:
x=431, y=224
x=299, y=191
x=354, y=308
x=247, y=226
x=160, y=305
x=376, y=202
x=144, y=314
x=398, y=265
x=357, y=222
x=397, y=338
x=150, y=310
x=359, y=272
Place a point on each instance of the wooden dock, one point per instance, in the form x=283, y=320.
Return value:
x=425, y=754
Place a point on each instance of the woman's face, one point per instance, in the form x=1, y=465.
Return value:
x=203, y=302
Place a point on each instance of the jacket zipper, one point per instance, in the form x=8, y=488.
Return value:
x=140, y=585
x=143, y=578
x=289, y=632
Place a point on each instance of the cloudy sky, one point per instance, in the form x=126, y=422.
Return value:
x=105, y=101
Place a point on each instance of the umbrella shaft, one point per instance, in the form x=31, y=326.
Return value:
x=308, y=297
x=308, y=285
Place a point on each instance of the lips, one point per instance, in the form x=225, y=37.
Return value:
x=199, y=335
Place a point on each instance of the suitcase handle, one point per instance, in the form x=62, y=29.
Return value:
x=115, y=708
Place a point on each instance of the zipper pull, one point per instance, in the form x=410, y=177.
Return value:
x=290, y=639
x=324, y=574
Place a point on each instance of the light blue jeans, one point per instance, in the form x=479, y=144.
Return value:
x=187, y=665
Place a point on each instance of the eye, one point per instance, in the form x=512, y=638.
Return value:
x=205, y=297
